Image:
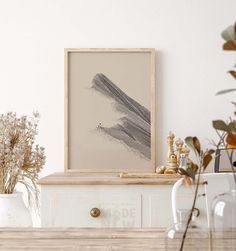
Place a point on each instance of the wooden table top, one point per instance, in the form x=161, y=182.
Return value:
x=71, y=239
x=104, y=179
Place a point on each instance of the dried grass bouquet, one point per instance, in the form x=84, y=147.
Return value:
x=20, y=158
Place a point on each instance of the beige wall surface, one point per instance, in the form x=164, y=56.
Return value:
x=89, y=148
x=191, y=65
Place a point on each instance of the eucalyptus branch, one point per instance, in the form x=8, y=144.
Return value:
x=204, y=158
x=193, y=206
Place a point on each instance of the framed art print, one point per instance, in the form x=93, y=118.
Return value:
x=109, y=110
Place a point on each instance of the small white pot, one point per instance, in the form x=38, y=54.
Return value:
x=13, y=212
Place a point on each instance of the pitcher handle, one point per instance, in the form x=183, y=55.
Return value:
x=175, y=188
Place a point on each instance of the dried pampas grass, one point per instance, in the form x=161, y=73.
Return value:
x=20, y=159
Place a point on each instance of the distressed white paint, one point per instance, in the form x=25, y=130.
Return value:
x=123, y=205
x=117, y=210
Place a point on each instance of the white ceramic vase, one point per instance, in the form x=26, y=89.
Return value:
x=13, y=212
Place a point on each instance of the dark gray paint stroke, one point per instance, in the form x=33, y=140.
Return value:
x=104, y=85
x=119, y=132
x=134, y=128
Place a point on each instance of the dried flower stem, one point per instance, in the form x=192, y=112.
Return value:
x=193, y=206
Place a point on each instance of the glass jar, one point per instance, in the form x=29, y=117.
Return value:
x=196, y=237
x=223, y=210
x=223, y=217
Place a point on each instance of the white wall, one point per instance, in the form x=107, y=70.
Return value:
x=191, y=66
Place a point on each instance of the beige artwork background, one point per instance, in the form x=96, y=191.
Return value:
x=88, y=148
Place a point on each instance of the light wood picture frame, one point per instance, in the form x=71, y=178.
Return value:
x=110, y=110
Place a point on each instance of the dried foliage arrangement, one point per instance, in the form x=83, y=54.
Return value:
x=21, y=159
x=229, y=35
x=227, y=139
x=204, y=157
x=225, y=130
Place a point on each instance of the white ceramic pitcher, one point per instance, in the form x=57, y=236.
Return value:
x=13, y=212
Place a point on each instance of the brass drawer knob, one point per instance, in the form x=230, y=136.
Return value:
x=95, y=212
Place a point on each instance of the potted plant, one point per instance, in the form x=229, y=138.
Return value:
x=227, y=138
x=190, y=176
x=21, y=160
x=227, y=131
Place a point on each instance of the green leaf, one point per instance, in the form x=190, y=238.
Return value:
x=226, y=91
x=197, y=144
x=194, y=167
x=232, y=127
x=191, y=173
x=189, y=142
x=211, y=151
x=229, y=34
x=220, y=125
x=206, y=160
x=182, y=171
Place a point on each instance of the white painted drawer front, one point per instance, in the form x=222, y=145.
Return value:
x=128, y=206
x=161, y=208
x=72, y=210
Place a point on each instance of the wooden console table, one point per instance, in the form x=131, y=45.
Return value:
x=72, y=239
x=67, y=200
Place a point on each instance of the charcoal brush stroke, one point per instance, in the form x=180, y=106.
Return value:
x=104, y=85
x=133, y=129
x=120, y=133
